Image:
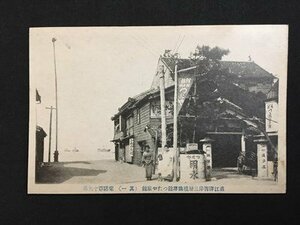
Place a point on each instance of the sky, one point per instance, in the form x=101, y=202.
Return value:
x=98, y=68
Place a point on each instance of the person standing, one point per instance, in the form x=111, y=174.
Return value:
x=121, y=156
x=241, y=162
x=275, y=169
x=147, y=160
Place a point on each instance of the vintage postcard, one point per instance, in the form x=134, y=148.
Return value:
x=165, y=109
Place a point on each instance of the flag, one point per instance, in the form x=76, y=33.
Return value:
x=37, y=97
x=185, y=81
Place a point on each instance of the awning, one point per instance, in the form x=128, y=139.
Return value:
x=127, y=137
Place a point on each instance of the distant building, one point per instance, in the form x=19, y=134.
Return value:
x=39, y=149
x=224, y=109
x=40, y=135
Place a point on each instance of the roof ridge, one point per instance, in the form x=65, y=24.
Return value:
x=238, y=61
x=144, y=92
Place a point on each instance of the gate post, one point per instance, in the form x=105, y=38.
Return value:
x=243, y=144
x=262, y=158
x=206, y=147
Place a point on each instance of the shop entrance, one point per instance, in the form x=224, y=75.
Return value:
x=225, y=150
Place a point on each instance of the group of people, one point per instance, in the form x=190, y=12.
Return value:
x=165, y=166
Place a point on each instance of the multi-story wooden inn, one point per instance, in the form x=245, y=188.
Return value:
x=229, y=108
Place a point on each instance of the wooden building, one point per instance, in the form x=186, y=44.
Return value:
x=39, y=148
x=228, y=108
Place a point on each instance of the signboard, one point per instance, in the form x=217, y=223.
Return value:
x=191, y=167
x=262, y=163
x=165, y=162
x=129, y=151
x=191, y=146
x=271, y=116
x=131, y=146
x=185, y=82
x=270, y=169
x=208, y=152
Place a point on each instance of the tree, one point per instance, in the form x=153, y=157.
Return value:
x=204, y=52
x=207, y=59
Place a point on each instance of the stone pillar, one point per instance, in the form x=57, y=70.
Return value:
x=192, y=167
x=262, y=158
x=207, y=149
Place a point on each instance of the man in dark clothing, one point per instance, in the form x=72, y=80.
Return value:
x=241, y=162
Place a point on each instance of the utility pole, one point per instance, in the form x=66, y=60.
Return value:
x=50, y=130
x=162, y=106
x=56, y=133
x=156, y=150
x=175, y=147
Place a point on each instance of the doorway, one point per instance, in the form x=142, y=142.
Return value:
x=225, y=150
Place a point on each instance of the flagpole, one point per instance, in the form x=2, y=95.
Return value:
x=56, y=127
x=50, y=131
x=175, y=124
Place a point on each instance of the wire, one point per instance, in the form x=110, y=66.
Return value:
x=271, y=120
x=141, y=44
x=63, y=42
x=143, y=38
x=176, y=43
x=145, y=42
x=180, y=44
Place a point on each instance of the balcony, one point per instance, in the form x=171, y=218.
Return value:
x=129, y=131
x=118, y=135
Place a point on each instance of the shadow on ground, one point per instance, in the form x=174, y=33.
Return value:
x=221, y=173
x=57, y=173
x=73, y=162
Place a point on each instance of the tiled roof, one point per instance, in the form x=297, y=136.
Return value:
x=240, y=69
x=182, y=63
x=132, y=101
x=143, y=94
x=244, y=69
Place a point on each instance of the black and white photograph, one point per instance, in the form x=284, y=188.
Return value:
x=158, y=109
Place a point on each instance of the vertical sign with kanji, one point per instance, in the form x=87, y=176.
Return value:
x=185, y=82
x=191, y=167
x=262, y=163
x=131, y=146
x=208, y=155
x=271, y=116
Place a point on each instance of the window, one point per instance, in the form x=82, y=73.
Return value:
x=129, y=126
x=138, y=116
x=117, y=125
x=156, y=111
